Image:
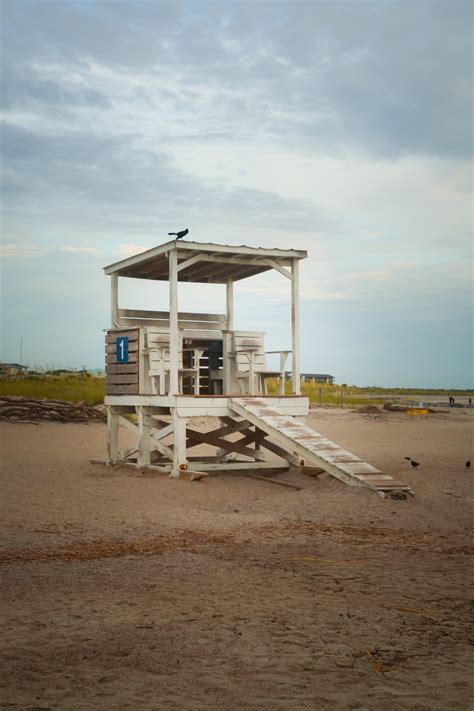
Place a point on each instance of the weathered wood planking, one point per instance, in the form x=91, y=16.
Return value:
x=112, y=336
x=165, y=315
x=189, y=325
x=113, y=368
x=110, y=348
x=127, y=379
x=312, y=447
x=122, y=378
x=110, y=358
x=122, y=389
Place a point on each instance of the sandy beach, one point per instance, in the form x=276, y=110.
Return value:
x=128, y=590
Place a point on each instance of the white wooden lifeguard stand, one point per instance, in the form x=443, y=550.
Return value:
x=181, y=365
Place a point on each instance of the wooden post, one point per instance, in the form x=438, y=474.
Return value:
x=251, y=357
x=143, y=438
x=174, y=335
x=112, y=435
x=283, y=357
x=179, y=445
x=295, y=327
x=227, y=338
x=230, y=304
x=114, y=300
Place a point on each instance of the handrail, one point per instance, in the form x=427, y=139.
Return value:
x=165, y=315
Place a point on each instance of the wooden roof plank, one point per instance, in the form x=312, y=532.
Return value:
x=153, y=263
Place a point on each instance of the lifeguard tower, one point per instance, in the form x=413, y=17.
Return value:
x=181, y=365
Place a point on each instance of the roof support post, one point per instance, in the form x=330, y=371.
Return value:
x=230, y=304
x=174, y=335
x=295, y=327
x=114, y=300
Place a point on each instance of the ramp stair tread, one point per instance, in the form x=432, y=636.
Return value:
x=314, y=447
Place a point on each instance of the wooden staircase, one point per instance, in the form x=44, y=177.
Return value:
x=312, y=448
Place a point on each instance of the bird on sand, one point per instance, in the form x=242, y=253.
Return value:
x=468, y=463
x=179, y=235
x=414, y=464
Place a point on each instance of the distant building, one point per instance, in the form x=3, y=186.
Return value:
x=12, y=370
x=317, y=378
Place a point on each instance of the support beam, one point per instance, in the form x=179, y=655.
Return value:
x=112, y=435
x=114, y=317
x=174, y=334
x=143, y=438
x=281, y=269
x=295, y=327
x=230, y=304
x=189, y=262
x=179, y=450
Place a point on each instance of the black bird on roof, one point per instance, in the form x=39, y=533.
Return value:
x=179, y=235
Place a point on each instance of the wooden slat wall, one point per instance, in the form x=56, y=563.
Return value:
x=121, y=378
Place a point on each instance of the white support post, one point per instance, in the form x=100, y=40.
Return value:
x=230, y=304
x=251, y=357
x=174, y=334
x=114, y=300
x=227, y=340
x=143, y=438
x=180, y=462
x=295, y=327
x=112, y=435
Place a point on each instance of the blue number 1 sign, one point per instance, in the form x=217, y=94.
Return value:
x=121, y=349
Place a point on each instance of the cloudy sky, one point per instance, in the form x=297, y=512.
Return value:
x=342, y=128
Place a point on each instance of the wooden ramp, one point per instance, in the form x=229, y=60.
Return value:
x=312, y=447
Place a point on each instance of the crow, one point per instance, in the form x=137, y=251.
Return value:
x=414, y=464
x=468, y=463
x=179, y=235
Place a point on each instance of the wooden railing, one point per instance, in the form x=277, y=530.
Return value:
x=140, y=317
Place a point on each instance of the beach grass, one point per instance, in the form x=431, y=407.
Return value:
x=87, y=388
x=73, y=388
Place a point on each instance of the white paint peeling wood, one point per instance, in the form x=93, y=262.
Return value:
x=297, y=438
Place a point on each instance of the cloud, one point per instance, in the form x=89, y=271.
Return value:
x=341, y=128
x=307, y=75
x=11, y=249
x=128, y=250
x=78, y=249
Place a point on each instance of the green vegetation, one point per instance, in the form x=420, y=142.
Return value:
x=73, y=388
x=90, y=389
x=353, y=396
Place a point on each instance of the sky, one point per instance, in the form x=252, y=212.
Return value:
x=340, y=128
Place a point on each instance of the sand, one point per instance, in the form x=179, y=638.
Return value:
x=125, y=590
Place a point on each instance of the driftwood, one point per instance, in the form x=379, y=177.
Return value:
x=24, y=409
